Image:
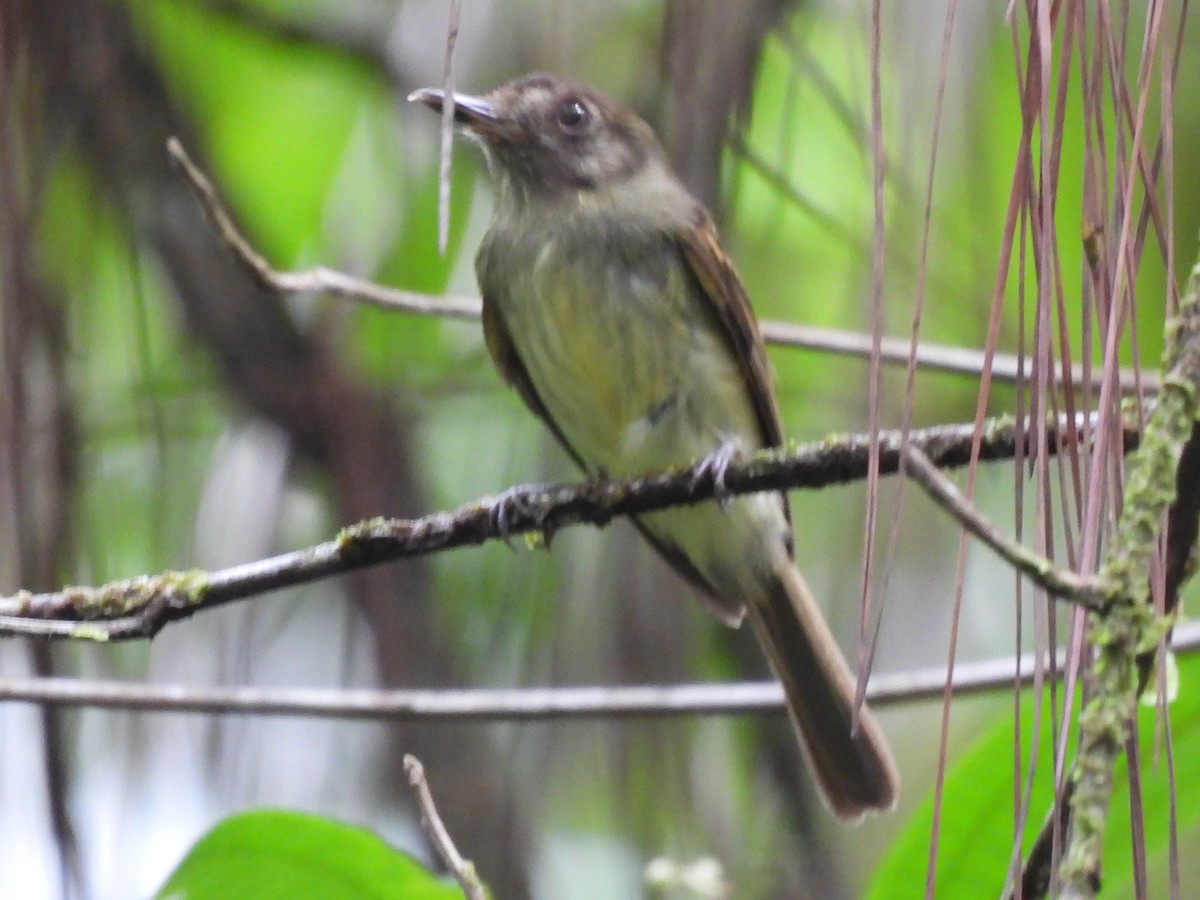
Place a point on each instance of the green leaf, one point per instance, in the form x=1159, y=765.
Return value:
x=975, y=839
x=274, y=117
x=274, y=853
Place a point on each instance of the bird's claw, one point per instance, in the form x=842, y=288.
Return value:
x=502, y=508
x=714, y=466
x=514, y=502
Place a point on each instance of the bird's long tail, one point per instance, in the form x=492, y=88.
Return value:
x=851, y=760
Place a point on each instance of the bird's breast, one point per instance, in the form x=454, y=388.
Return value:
x=620, y=347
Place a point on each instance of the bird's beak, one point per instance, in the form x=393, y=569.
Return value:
x=476, y=114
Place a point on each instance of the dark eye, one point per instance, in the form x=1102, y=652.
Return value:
x=572, y=116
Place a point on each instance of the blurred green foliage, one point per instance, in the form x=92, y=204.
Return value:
x=277, y=854
x=324, y=165
x=977, y=823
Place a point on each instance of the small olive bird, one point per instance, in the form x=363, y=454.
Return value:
x=610, y=305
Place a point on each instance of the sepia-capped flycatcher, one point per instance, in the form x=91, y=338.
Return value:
x=609, y=304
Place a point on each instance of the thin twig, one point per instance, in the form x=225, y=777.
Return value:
x=447, y=136
x=435, y=830
x=1054, y=580
x=140, y=607
x=316, y=280
x=893, y=351
x=574, y=702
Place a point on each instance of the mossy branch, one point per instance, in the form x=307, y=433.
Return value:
x=140, y=607
x=1129, y=627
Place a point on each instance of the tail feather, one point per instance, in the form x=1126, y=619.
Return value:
x=851, y=760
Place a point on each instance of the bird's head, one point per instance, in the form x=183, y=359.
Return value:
x=544, y=136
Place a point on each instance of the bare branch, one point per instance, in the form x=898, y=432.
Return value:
x=317, y=280
x=435, y=830
x=894, y=351
x=1056, y=581
x=517, y=705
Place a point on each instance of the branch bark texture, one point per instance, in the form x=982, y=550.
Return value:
x=1130, y=627
x=140, y=607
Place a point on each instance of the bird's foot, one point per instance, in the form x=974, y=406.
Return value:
x=510, y=505
x=714, y=466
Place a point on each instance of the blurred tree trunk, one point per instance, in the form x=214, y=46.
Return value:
x=38, y=442
x=106, y=97
x=710, y=53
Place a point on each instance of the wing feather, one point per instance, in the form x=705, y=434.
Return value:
x=722, y=289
